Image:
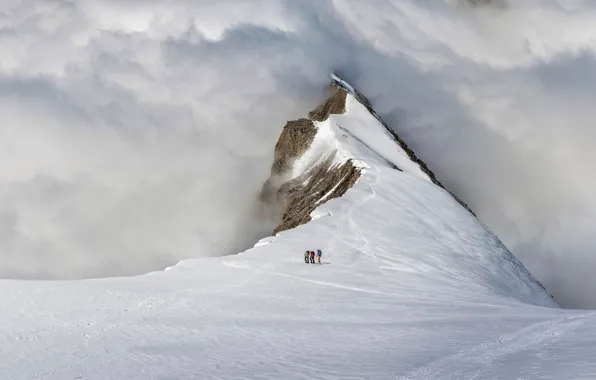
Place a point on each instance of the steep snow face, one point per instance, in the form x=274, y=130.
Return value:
x=359, y=136
x=411, y=286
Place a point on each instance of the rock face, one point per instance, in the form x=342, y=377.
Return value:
x=294, y=140
x=335, y=104
x=293, y=197
x=303, y=194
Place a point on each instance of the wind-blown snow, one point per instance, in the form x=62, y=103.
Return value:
x=130, y=126
x=412, y=286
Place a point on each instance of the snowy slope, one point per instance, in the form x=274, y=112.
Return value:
x=412, y=287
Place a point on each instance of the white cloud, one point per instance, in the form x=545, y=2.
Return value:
x=138, y=132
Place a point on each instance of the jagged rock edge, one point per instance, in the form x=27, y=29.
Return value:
x=299, y=197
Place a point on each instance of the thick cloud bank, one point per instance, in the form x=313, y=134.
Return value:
x=137, y=133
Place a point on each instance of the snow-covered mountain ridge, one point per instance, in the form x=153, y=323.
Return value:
x=321, y=158
x=412, y=286
x=325, y=173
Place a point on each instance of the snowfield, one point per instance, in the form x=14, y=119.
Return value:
x=412, y=286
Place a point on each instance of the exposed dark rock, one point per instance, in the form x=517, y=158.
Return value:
x=297, y=198
x=334, y=105
x=320, y=184
x=294, y=140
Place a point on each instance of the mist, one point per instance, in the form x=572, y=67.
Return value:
x=137, y=134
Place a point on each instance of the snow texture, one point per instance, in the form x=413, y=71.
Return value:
x=411, y=286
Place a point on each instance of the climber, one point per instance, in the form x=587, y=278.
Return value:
x=312, y=257
x=319, y=254
x=306, y=256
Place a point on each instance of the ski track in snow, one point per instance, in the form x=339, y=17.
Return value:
x=346, y=227
x=469, y=363
x=365, y=248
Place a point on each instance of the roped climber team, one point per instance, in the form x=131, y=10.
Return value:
x=309, y=256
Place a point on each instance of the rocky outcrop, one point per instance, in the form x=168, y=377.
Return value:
x=318, y=185
x=335, y=104
x=294, y=140
x=293, y=198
